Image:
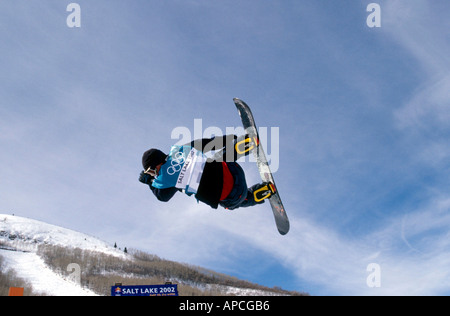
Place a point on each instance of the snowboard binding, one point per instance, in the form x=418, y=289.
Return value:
x=245, y=146
x=264, y=191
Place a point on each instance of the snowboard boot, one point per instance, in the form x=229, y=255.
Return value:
x=263, y=191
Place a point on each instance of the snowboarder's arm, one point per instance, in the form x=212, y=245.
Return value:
x=163, y=195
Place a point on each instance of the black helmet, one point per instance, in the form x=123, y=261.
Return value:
x=152, y=158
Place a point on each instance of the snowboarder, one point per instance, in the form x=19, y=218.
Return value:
x=215, y=181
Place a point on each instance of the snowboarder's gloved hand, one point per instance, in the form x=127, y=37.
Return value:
x=146, y=178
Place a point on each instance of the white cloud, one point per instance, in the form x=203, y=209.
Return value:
x=415, y=251
x=412, y=250
x=429, y=107
x=422, y=29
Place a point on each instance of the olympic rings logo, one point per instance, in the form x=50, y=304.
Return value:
x=176, y=164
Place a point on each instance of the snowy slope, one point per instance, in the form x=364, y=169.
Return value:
x=19, y=241
x=19, y=238
x=25, y=234
x=30, y=267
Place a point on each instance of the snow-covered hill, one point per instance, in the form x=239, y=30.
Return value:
x=20, y=252
x=19, y=240
x=31, y=268
x=26, y=234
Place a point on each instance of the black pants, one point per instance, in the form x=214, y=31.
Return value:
x=240, y=195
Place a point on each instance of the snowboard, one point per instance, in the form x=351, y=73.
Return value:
x=248, y=122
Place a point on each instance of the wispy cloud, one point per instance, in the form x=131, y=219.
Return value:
x=412, y=250
x=422, y=29
x=415, y=251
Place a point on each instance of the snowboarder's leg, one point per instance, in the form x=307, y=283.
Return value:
x=235, y=148
x=257, y=194
x=239, y=192
x=240, y=195
x=263, y=191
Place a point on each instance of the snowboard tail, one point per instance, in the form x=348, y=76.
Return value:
x=252, y=143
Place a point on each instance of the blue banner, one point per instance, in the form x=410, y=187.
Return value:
x=145, y=290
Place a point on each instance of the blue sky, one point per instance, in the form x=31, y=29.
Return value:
x=363, y=132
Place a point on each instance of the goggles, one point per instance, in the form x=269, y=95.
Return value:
x=152, y=172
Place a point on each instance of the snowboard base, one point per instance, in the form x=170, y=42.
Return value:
x=254, y=145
